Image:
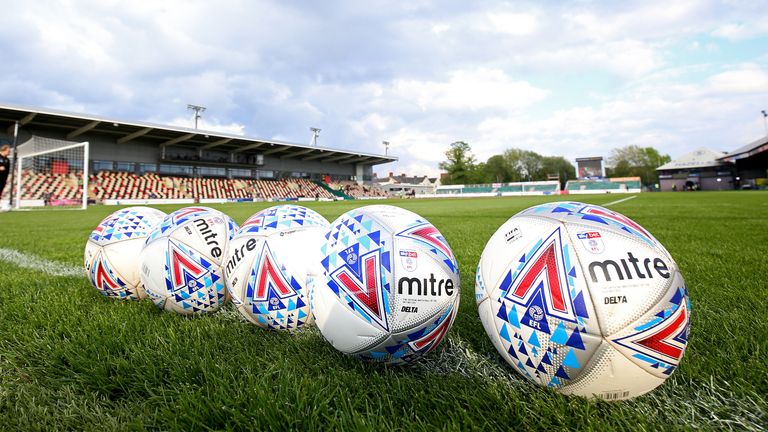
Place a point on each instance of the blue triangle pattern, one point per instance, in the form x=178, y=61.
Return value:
x=512, y=352
x=559, y=336
x=594, y=218
x=502, y=313
x=571, y=361
x=521, y=349
x=534, y=340
x=579, y=307
x=506, y=283
x=504, y=333
x=575, y=340
x=512, y=315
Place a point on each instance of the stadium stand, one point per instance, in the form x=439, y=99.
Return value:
x=612, y=185
x=107, y=185
x=44, y=186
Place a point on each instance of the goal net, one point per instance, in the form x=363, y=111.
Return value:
x=52, y=172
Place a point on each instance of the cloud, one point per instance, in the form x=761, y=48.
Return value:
x=516, y=24
x=746, y=79
x=571, y=78
x=470, y=90
x=209, y=125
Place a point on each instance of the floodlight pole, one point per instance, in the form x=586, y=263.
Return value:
x=315, y=134
x=765, y=121
x=198, y=110
x=386, y=147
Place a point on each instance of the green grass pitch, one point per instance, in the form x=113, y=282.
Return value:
x=72, y=359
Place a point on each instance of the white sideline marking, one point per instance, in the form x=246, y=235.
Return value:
x=457, y=357
x=33, y=262
x=619, y=201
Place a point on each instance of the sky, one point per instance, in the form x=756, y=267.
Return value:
x=571, y=78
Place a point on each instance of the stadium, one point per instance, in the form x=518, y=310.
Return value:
x=134, y=162
x=74, y=359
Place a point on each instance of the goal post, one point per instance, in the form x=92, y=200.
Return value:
x=52, y=172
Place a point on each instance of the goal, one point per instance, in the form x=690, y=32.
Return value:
x=52, y=172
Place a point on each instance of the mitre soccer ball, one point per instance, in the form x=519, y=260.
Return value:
x=583, y=300
x=268, y=262
x=181, y=263
x=112, y=251
x=389, y=291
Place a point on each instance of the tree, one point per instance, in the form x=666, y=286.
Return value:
x=524, y=165
x=497, y=170
x=460, y=165
x=637, y=161
x=560, y=166
x=533, y=167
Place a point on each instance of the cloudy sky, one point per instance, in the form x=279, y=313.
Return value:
x=575, y=78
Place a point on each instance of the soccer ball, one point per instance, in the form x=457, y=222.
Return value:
x=112, y=251
x=181, y=262
x=389, y=291
x=583, y=300
x=267, y=264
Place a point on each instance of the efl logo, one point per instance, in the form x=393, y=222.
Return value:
x=592, y=241
x=409, y=259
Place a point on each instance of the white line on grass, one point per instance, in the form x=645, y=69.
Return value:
x=33, y=262
x=619, y=201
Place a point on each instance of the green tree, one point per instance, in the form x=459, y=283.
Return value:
x=637, y=161
x=497, y=170
x=558, y=165
x=460, y=164
x=524, y=165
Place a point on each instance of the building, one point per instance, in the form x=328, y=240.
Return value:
x=407, y=185
x=751, y=164
x=701, y=169
x=705, y=169
x=139, y=147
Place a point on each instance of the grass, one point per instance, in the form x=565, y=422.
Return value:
x=72, y=359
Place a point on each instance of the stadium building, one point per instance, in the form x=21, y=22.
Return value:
x=751, y=164
x=137, y=160
x=701, y=169
x=404, y=185
x=704, y=169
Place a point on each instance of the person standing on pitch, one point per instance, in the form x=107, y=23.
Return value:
x=5, y=166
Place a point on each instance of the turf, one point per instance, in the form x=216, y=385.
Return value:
x=72, y=359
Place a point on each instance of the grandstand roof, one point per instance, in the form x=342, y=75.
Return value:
x=748, y=150
x=74, y=125
x=700, y=158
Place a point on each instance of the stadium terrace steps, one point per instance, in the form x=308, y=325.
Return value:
x=107, y=185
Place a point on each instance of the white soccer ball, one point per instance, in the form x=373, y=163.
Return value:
x=112, y=251
x=583, y=300
x=389, y=291
x=267, y=264
x=181, y=262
